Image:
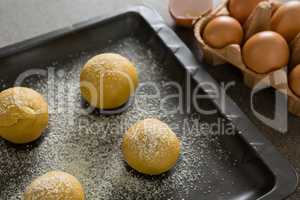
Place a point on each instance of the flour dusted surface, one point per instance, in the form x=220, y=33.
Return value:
x=88, y=146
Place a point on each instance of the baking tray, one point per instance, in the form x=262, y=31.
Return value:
x=212, y=165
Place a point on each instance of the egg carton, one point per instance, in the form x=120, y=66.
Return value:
x=258, y=21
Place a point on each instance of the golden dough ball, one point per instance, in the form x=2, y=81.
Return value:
x=294, y=80
x=53, y=186
x=108, y=80
x=223, y=31
x=150, y=147
x=23, y=115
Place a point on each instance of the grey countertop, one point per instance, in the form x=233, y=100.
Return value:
x=20, y=20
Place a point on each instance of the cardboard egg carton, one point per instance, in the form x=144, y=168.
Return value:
x=259, y=20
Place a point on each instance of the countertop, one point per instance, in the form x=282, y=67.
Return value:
x=20, y=20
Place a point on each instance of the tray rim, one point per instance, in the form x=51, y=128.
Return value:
x=286, y=177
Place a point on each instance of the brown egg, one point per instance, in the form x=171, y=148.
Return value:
x=286, y=20
x=294, y=80
x=265, y=52
x=241, y=9
x=223, y=31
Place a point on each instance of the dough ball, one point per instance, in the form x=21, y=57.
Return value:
x=23, y=115
x=53, y=186
x=108, y=80
x=150, y=147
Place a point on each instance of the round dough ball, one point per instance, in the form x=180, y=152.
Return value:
x=23, y=115
x=53, y=186
x=223, y=31
x=150, y=147
x=108, y=80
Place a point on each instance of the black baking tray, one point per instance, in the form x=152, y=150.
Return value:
x=253, y=168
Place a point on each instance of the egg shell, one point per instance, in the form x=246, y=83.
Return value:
x=286, y=20
x=186, y=12
x=223, y=31
x=265, y=52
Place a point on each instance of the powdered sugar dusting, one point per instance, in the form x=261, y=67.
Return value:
x=88, y=146
x=150, y=138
